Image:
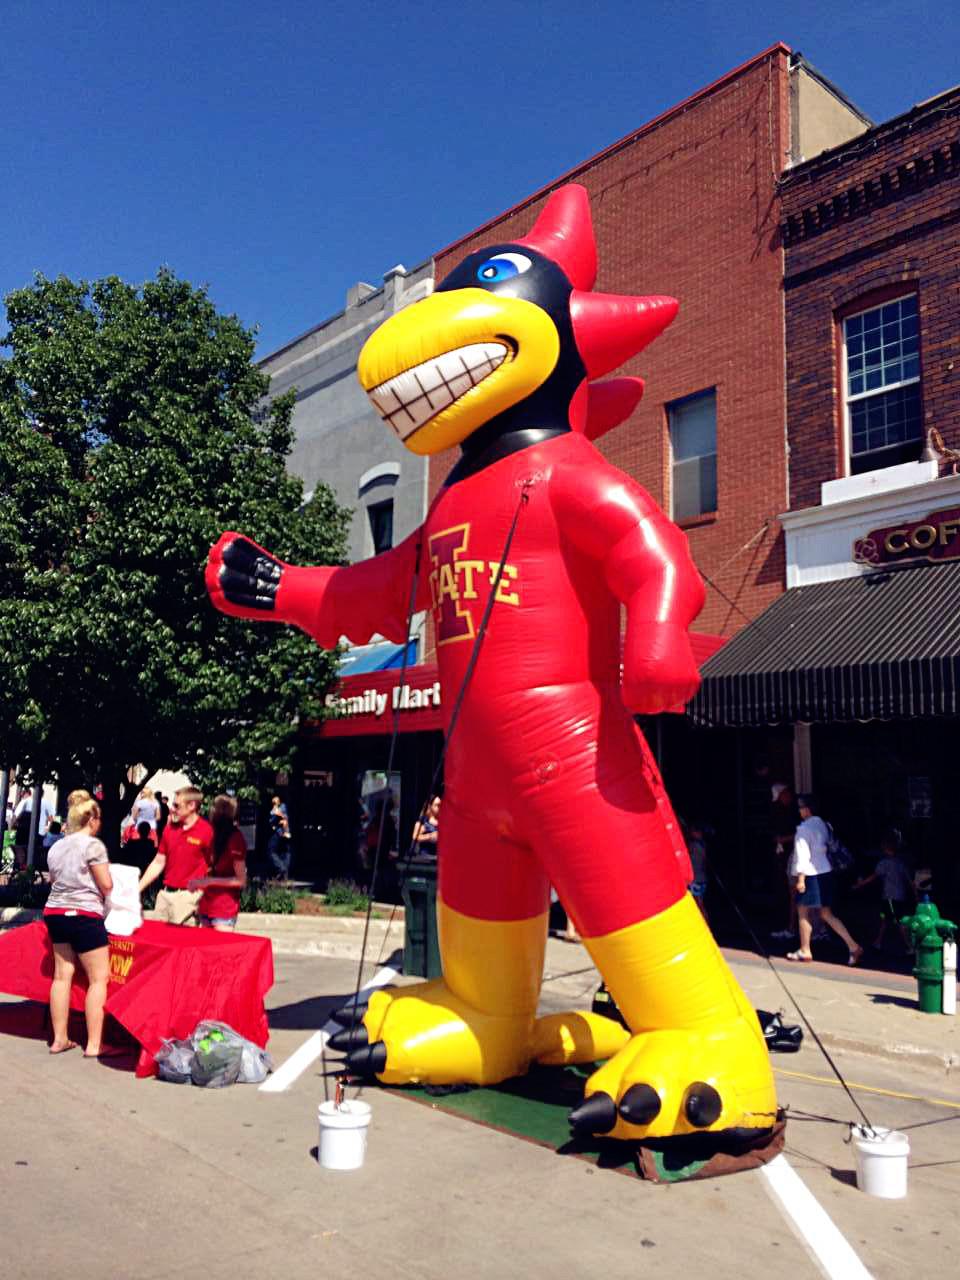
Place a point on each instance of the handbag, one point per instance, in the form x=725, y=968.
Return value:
x=841, y=859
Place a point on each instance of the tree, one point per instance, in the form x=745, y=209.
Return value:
x=134, y=429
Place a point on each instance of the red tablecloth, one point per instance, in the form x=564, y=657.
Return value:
x=164, y=979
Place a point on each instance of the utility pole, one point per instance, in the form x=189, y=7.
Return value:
x=34, y=823
x=4, y=797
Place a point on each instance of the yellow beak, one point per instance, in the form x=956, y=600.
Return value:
x=440, y=369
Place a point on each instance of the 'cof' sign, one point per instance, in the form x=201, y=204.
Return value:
x=935, y=537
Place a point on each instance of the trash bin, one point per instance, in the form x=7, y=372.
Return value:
x=421, y=947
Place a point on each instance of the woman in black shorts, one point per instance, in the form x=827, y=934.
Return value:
x=79, y=882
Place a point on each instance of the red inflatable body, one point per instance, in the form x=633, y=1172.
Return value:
x=527, y=557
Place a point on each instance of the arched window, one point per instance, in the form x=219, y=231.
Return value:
x=376, y=492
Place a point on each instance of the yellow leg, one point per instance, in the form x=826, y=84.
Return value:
x=478, y=1024
x=474, y=1025
x=697, y=1060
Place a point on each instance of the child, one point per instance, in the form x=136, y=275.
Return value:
x=696, y=836
x=896, y=893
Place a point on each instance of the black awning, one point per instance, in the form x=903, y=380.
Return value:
x=882, y=646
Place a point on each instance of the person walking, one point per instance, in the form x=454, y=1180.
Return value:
x=220, y=904
x=426, y=831
x=183, y=855
x=145, y=809
x=813, y=877
x=279, y=845
x=80, y=880
x=897, y=894
x=22, y=819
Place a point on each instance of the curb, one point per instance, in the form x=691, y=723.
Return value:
x=929, y=1059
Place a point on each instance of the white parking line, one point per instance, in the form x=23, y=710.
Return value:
x=311, y=1049
x=830, y=1248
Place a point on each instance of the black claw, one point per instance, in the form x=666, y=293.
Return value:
x=348, y=1039
x=702, y=1105
x=349, y=1015
x=248, y=576
x=368, y=1060
x=640, y=1104
x=596, y=1114
x=246, y=557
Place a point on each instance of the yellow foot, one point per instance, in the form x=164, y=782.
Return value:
x=424, y=1034
x=671, y=1082
x=562, y=1038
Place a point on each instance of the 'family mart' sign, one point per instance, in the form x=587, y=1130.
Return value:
x=374, y=702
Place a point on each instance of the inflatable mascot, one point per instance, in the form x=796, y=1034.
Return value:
x=525, y=558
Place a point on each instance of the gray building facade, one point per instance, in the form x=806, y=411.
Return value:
x=339, y=438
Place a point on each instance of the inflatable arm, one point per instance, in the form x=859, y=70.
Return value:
x=647, y=565
x=357, y=600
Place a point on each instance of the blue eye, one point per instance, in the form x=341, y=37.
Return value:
x=502, y=267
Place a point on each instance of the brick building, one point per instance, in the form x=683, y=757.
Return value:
x=865, y=225
x=689, y=205
x=859, y=662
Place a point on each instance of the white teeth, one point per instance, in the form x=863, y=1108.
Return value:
x=417, y=395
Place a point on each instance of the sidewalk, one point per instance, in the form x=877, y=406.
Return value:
x=858, y=1010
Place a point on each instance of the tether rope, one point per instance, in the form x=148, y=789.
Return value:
x=790, y=996
x=455, y=714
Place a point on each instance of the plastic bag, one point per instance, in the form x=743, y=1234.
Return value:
x=217, y=1051
x=255, y=1064
x=174, y=1061
x=124, y=915
x=214, y=1056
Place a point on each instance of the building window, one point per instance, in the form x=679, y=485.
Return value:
x=882, y=355
x=381, y=525
x=693, y=447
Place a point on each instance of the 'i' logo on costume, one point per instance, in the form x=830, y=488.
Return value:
x=454, y=583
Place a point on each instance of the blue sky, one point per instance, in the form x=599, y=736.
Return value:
x=278, y=153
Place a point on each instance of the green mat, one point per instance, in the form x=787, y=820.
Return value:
x=535, y=1108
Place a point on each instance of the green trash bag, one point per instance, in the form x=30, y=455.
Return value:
x=217, y=1055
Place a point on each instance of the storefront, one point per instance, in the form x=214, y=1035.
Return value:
x=860, y=661
x=345, y=770
x=345, y=773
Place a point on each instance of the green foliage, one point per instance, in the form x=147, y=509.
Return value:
x=133, y=431
x=344, y=897
x=267, y=897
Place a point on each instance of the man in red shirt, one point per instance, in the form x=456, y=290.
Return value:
x=184, y=855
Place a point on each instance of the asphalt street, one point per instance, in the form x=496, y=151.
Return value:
x=103, y=1175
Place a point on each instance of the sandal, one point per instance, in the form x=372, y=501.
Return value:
x=855, y=957
x=799, y=958
x=107, y=1051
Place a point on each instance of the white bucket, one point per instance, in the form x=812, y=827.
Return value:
x=881, y=1161
x=343, y=1134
